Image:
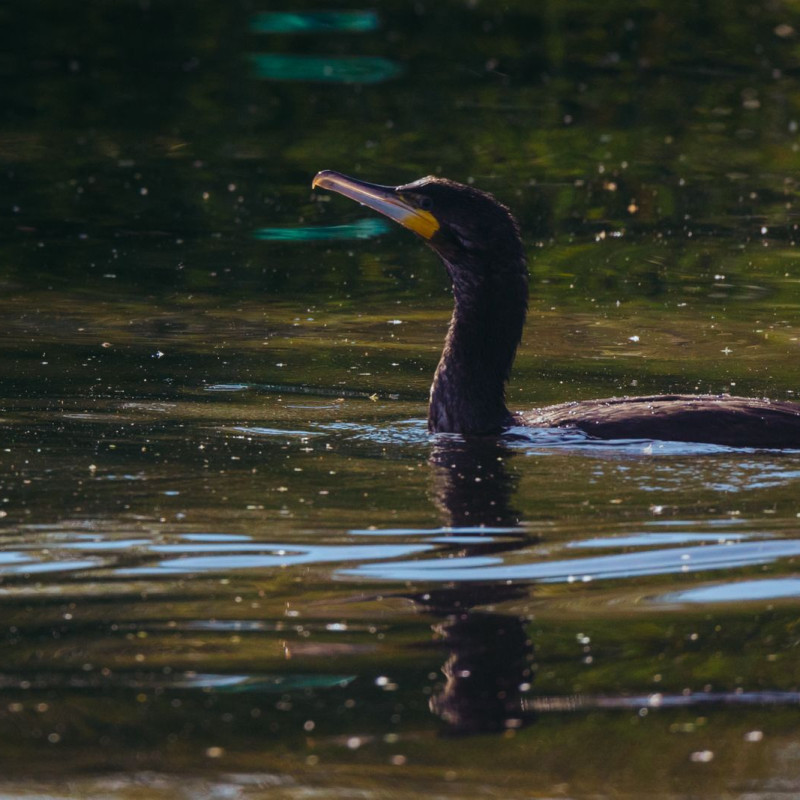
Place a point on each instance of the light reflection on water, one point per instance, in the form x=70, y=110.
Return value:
x=487, y=554
x=738, y=591
x=219, y=559
x=280, y=432
x=661, y=700
x=261, y=683
x=729, y=555
x=15, y=563
x=650, y=539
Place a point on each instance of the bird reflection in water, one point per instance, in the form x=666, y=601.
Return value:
x=489, y=666
x=490, y=661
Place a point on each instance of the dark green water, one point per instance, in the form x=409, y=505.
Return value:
x=233, y=563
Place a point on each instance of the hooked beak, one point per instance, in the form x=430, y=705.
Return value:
x=385, y=200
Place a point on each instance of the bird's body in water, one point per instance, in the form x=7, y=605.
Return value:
x=478, y=241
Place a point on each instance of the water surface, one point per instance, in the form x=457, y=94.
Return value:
x=233, y=561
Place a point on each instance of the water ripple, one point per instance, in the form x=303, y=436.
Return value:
x=621, y=565
x=220, y=559
x=738, y=592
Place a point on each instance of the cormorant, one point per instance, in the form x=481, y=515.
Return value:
x=478, y=240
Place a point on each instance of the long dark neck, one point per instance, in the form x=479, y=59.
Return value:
x=468, y=391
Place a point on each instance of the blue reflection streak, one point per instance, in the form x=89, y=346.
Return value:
x=38, y=568
x=576, y=570
x=360, y=229
x=651, y=539
x=353, y=69
x=314, y=22
x=222, y=558
x=559, y=704
x=482, y=531
x=281, y=432
x=263, y=683
x=739, y=592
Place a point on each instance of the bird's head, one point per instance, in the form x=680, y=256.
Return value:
x=473, y=233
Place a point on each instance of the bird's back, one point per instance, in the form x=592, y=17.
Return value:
x=711, y=419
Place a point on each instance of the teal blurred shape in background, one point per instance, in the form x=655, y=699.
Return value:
x=360, y=229
x=314, y=22
x=352, y=69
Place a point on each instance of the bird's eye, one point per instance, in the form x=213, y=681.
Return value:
x=425, y=203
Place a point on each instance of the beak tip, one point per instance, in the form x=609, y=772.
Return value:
x=319, y=179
